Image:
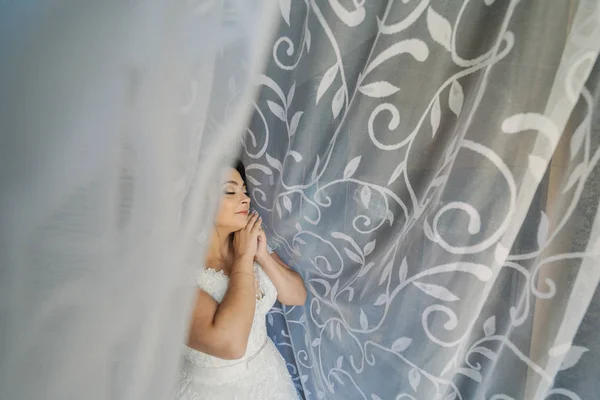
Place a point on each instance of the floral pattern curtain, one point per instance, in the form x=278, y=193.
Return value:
x=431, y=169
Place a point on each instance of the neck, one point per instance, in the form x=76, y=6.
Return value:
x=219, y=245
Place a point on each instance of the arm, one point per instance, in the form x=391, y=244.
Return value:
x=222, y=330
x=289, y=284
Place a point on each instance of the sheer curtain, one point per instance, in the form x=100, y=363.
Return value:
x=431, y=168
x=117, y=119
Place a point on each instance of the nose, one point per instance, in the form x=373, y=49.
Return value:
x=245, y=199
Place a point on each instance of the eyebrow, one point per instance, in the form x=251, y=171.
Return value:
x=235, y=183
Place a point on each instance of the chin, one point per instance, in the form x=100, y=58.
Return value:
x=231, y=226
x=237, y=228
x=237, y=225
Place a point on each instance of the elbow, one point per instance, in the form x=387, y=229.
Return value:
x=236, y=352
x=301, y=297
x=298, y=299
x=234, y=349
x=221, y=347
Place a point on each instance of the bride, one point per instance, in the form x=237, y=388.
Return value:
x=229, y=355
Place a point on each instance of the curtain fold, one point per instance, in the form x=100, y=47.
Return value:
x=118, y=118
x=431, y=169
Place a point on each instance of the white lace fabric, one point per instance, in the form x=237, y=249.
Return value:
x=260, y=374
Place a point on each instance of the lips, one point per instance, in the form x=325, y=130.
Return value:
x=245, y=212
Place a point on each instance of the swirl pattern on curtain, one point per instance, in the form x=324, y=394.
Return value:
x=431, y=168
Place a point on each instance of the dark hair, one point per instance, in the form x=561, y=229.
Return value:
x=239, y=167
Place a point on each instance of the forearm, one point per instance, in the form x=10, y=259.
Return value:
x=289, y=284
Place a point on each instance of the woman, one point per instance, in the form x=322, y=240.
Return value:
x=229, y=355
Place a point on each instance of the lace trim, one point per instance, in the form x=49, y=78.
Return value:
x=259, y=288
x=260, y=291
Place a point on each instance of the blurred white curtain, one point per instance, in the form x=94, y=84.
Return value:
x=431, y=168
x=116, y=121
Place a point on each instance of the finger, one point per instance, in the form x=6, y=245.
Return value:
x=251, y=222
x=257, y=226
x=257, y=221
x=253, y=219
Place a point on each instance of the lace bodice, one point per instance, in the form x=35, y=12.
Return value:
x=261, y=374
x=215, y=283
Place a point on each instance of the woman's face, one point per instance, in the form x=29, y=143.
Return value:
x=233, y=214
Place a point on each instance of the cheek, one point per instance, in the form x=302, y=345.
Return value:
x=226, y=211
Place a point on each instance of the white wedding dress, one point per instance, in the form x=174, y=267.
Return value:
x=261, y=374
